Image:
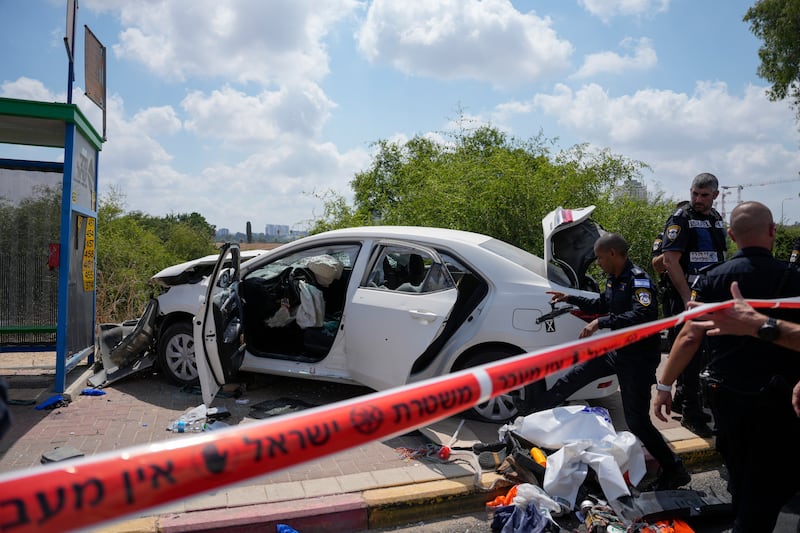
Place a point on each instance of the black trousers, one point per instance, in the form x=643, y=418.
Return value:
x=687, y=386
x=636, y=374
x=761, y=435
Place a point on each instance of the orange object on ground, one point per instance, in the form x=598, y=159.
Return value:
x=506, y=499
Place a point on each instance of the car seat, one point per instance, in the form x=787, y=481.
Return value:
x=416, y=274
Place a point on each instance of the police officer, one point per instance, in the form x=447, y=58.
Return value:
x=694, y=238
x=751, y=377
x=671, y=301
x=629, y=299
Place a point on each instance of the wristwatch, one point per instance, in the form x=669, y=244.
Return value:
x=769, y=330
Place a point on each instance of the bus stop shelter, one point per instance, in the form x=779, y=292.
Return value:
x=48, y=212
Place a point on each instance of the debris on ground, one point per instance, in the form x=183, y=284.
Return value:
x=53, y=402
x=571, y=471
x=281, y=406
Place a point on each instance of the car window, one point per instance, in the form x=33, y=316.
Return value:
x=345, y=254
x=519, y=256
x=407, y=269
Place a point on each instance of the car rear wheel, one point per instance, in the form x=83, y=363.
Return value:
x=508, y=406
x=176, y=353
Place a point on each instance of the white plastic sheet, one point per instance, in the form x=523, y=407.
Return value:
x=585, y=438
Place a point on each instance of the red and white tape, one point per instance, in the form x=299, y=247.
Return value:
x=104, y=487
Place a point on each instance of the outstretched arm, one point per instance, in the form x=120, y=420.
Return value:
x=682, y=352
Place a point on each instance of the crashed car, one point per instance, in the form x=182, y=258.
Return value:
x=162, y=336
x=185, y=286
x=384, y=306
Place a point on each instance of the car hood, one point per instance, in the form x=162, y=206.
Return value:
x=569, y=237
x=195, y=270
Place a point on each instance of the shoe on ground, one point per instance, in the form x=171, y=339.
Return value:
x=673, y=478
x=698, y=427
x=480, y=447
x=489, y=460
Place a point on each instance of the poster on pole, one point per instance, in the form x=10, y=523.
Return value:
x=95, y=69
x=69, y=39
x=94, y=62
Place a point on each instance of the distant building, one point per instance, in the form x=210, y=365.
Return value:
x=633, y=189
x=223, y=232
x=276, y=231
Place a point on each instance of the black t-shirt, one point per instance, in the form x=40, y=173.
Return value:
x=742, y=362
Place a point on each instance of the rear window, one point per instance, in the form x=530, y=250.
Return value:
x=519, y=256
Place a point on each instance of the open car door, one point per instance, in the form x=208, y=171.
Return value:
x=569, y=237
x=218, y=326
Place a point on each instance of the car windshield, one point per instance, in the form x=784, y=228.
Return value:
x=519, y=256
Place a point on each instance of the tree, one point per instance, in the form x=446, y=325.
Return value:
x=777, y=24
x=131, y=247
x=485, y=181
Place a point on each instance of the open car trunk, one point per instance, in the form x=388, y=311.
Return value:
x=569, y=246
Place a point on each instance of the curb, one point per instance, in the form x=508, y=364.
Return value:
x=368, y=509
x=358, y=511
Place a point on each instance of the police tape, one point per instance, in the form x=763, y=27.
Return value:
x=109, y=486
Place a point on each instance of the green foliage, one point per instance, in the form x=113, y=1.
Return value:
x=132, y=247
x=777, y=24
x=485, y=181
x=785, y=238
x=29, y=290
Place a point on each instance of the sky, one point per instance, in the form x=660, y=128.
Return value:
x=253, y=110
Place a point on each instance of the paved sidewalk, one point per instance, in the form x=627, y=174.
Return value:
x=370, y=486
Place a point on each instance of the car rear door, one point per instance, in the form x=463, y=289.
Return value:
x=390, y=322
x=218, y=326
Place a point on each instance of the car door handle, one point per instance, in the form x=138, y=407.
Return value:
x=425, y=316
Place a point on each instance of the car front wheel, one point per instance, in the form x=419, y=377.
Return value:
x=505, y=407
x=176, y=353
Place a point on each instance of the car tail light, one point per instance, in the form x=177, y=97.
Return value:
x=586, y=317
x=605, y=384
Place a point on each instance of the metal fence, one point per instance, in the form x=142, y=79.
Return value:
x=29, y=296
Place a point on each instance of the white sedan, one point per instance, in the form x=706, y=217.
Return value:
x=387, y=305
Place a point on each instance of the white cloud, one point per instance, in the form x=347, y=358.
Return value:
x=269, y=113
x=667, y=120
x=299, y=110
x=741, y=139
x=276, y=185
x=28, y=89
x=485, y=40
x=607, y=9
x=643, y=58
x=241, y=40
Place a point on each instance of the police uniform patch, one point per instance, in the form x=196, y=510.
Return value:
x=643, y=296
x=641, y=282
x=673, y=232
x=656, y=245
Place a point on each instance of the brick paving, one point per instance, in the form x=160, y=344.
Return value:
x=140, y=408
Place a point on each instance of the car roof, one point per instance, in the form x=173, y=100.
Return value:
x=405, y=232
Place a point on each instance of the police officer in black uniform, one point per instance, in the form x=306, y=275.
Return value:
x=629, y=299
x=671, y=301
x=694, y=238
x=750, y=378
